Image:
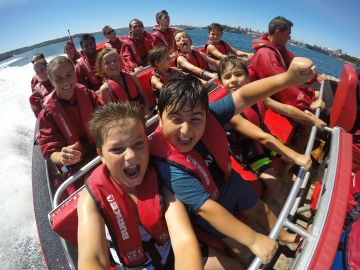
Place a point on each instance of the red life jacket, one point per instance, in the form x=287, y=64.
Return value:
x=43, y=88
x=121, y=218
x=195, y=59
x=172, y=72
x=214, y=140
x=222, y=46
x=255, y=114
x=133, y=49
x=83, y=61
x=165, y=37
x=40, y=90
x=117, y=44
x=117, y=92
x=52, y=105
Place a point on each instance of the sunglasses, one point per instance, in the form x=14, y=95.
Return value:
x=111, y=31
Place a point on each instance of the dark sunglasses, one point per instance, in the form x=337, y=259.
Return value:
x=111, y=31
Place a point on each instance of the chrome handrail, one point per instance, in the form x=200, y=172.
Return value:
x=282, y=220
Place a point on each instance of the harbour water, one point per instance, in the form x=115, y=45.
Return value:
x=19, y=248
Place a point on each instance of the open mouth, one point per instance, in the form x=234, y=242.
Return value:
x=184, y=141
x=132, y=171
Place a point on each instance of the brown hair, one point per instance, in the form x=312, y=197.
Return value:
x=111, y=115
x=178, y=32
x=229, y=63
x=99, y=58
x=214, y=26
x=57, y=61
x=160, y=14
x=156, y=54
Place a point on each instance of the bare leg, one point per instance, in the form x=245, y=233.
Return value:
x=219, y=261
x=261, y=213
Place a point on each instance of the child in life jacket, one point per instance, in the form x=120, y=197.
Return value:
x=191, y=153
x=117, y=85
x=63, y=122
x=42, y=88
x=34, y=79
x=192, y=61
x=233, y=74
x=159, y=58
x=217, y=48
x=123, y=193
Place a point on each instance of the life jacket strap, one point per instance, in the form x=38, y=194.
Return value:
x=257, y=165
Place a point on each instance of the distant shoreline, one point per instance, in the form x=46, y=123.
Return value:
x=246, y=31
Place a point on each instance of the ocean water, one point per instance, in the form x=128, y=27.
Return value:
x=19, y=247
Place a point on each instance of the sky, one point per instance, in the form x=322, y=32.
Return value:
x=333, y=24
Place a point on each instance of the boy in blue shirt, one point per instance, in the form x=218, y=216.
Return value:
x=192, y=156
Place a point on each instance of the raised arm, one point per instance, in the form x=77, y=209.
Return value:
x=294, y=113
x=92, y=243
x=183, y=240
x=300, y=70
x=251, y=131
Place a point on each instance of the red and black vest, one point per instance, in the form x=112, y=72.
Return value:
x=165, y=37
x=195, y=59
x=83, y=61
x=214, y=140
x=130, y=92
x=52, y=105
x=40, y=91
x=136, y=55
x=116, y=44
x=120, y=217
x=222, y=46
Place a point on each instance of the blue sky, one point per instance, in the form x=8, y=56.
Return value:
x=331, y=23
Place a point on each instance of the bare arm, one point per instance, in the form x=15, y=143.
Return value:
x=92, y=243
x=213, y=51
x=227, y=224
x=183, y=63
x=104, y=93
x=209, y=59
x=156, y=83
x=255, y=133
x=183, y=240
x=300, y=70
x=294, y=113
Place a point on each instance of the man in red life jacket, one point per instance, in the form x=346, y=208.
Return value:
x=85, y=66
x=113, y=41
x=162, y=33
x=136, y=46
x=35, y=79
x=271, y=57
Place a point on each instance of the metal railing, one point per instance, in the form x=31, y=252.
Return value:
x=293, y=200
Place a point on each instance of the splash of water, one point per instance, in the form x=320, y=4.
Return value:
x=19, y=247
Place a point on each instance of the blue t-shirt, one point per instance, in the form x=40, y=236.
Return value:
x=186, y=187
